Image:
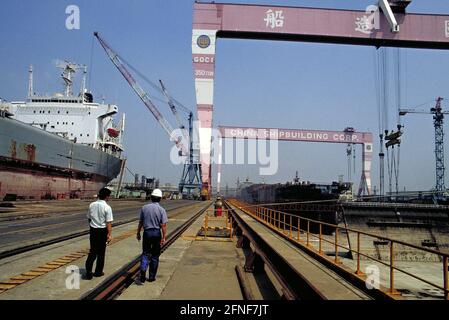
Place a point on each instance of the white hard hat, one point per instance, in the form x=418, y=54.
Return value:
x=157, y=193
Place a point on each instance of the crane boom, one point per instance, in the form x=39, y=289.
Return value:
x=139, y=91
x=173, y=110
x=403, y=112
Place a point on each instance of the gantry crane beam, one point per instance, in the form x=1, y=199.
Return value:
x=373, y=27
x=326, y=136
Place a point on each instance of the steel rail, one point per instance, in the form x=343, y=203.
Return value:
x=117, y=282
x=372, y=235
x=261, y=213
x=294, y=285
x=16, y=251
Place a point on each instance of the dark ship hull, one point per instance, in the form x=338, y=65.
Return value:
x=36, y=164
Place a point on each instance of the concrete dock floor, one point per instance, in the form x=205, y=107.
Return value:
x=193, y=269
x=52, y=285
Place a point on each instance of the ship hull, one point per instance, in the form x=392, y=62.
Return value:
x=31, y=185
x=36, y=164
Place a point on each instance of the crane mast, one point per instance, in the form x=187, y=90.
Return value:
x=438, y=116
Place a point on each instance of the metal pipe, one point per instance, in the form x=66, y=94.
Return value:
x=230, y=227
x=206, y=225
x=122, y=171
x=299, y=229
x=358, y=254
x=279, y=220
x=446, y=280
x=336, y=245
x=319, y=250
x=308, y=232
x=283, y=224
x=391, y=267
x=290, y=235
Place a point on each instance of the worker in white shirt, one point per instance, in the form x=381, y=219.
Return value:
x=100, y=221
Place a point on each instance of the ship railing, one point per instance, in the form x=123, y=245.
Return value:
x=396, y=205
x=217, y=218
x=309, y=234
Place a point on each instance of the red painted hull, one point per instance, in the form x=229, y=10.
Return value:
x=32, y=185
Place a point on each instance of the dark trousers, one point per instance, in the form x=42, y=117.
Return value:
x=98, y=238
x=151, y=250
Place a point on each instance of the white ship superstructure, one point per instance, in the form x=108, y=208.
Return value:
x=67, y=139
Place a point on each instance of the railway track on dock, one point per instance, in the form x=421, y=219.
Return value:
x=27, y=248
x=294, y=281
x=119, y=281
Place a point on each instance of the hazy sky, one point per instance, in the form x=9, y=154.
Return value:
x=258, y=83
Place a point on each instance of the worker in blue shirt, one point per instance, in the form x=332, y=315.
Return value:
x=153, y=219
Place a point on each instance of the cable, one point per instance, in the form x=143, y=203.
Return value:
x=385, y=88
x=389, y=170
x=398, y=86
x=353, y=157
x=152, y=84
x=376, y=85
x=91, y=62
x=129, y=170
x=397, y=169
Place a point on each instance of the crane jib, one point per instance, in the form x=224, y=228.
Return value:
x=115, y=58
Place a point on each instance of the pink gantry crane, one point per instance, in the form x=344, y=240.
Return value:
x=346, y=137
x=387, y=24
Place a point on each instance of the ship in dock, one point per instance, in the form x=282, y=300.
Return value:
x=57, y=146
x=292, y=191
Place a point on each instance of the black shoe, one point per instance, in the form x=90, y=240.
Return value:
x=88, y=276
x=142, y=277
x=151, y=279
x=97, y=274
